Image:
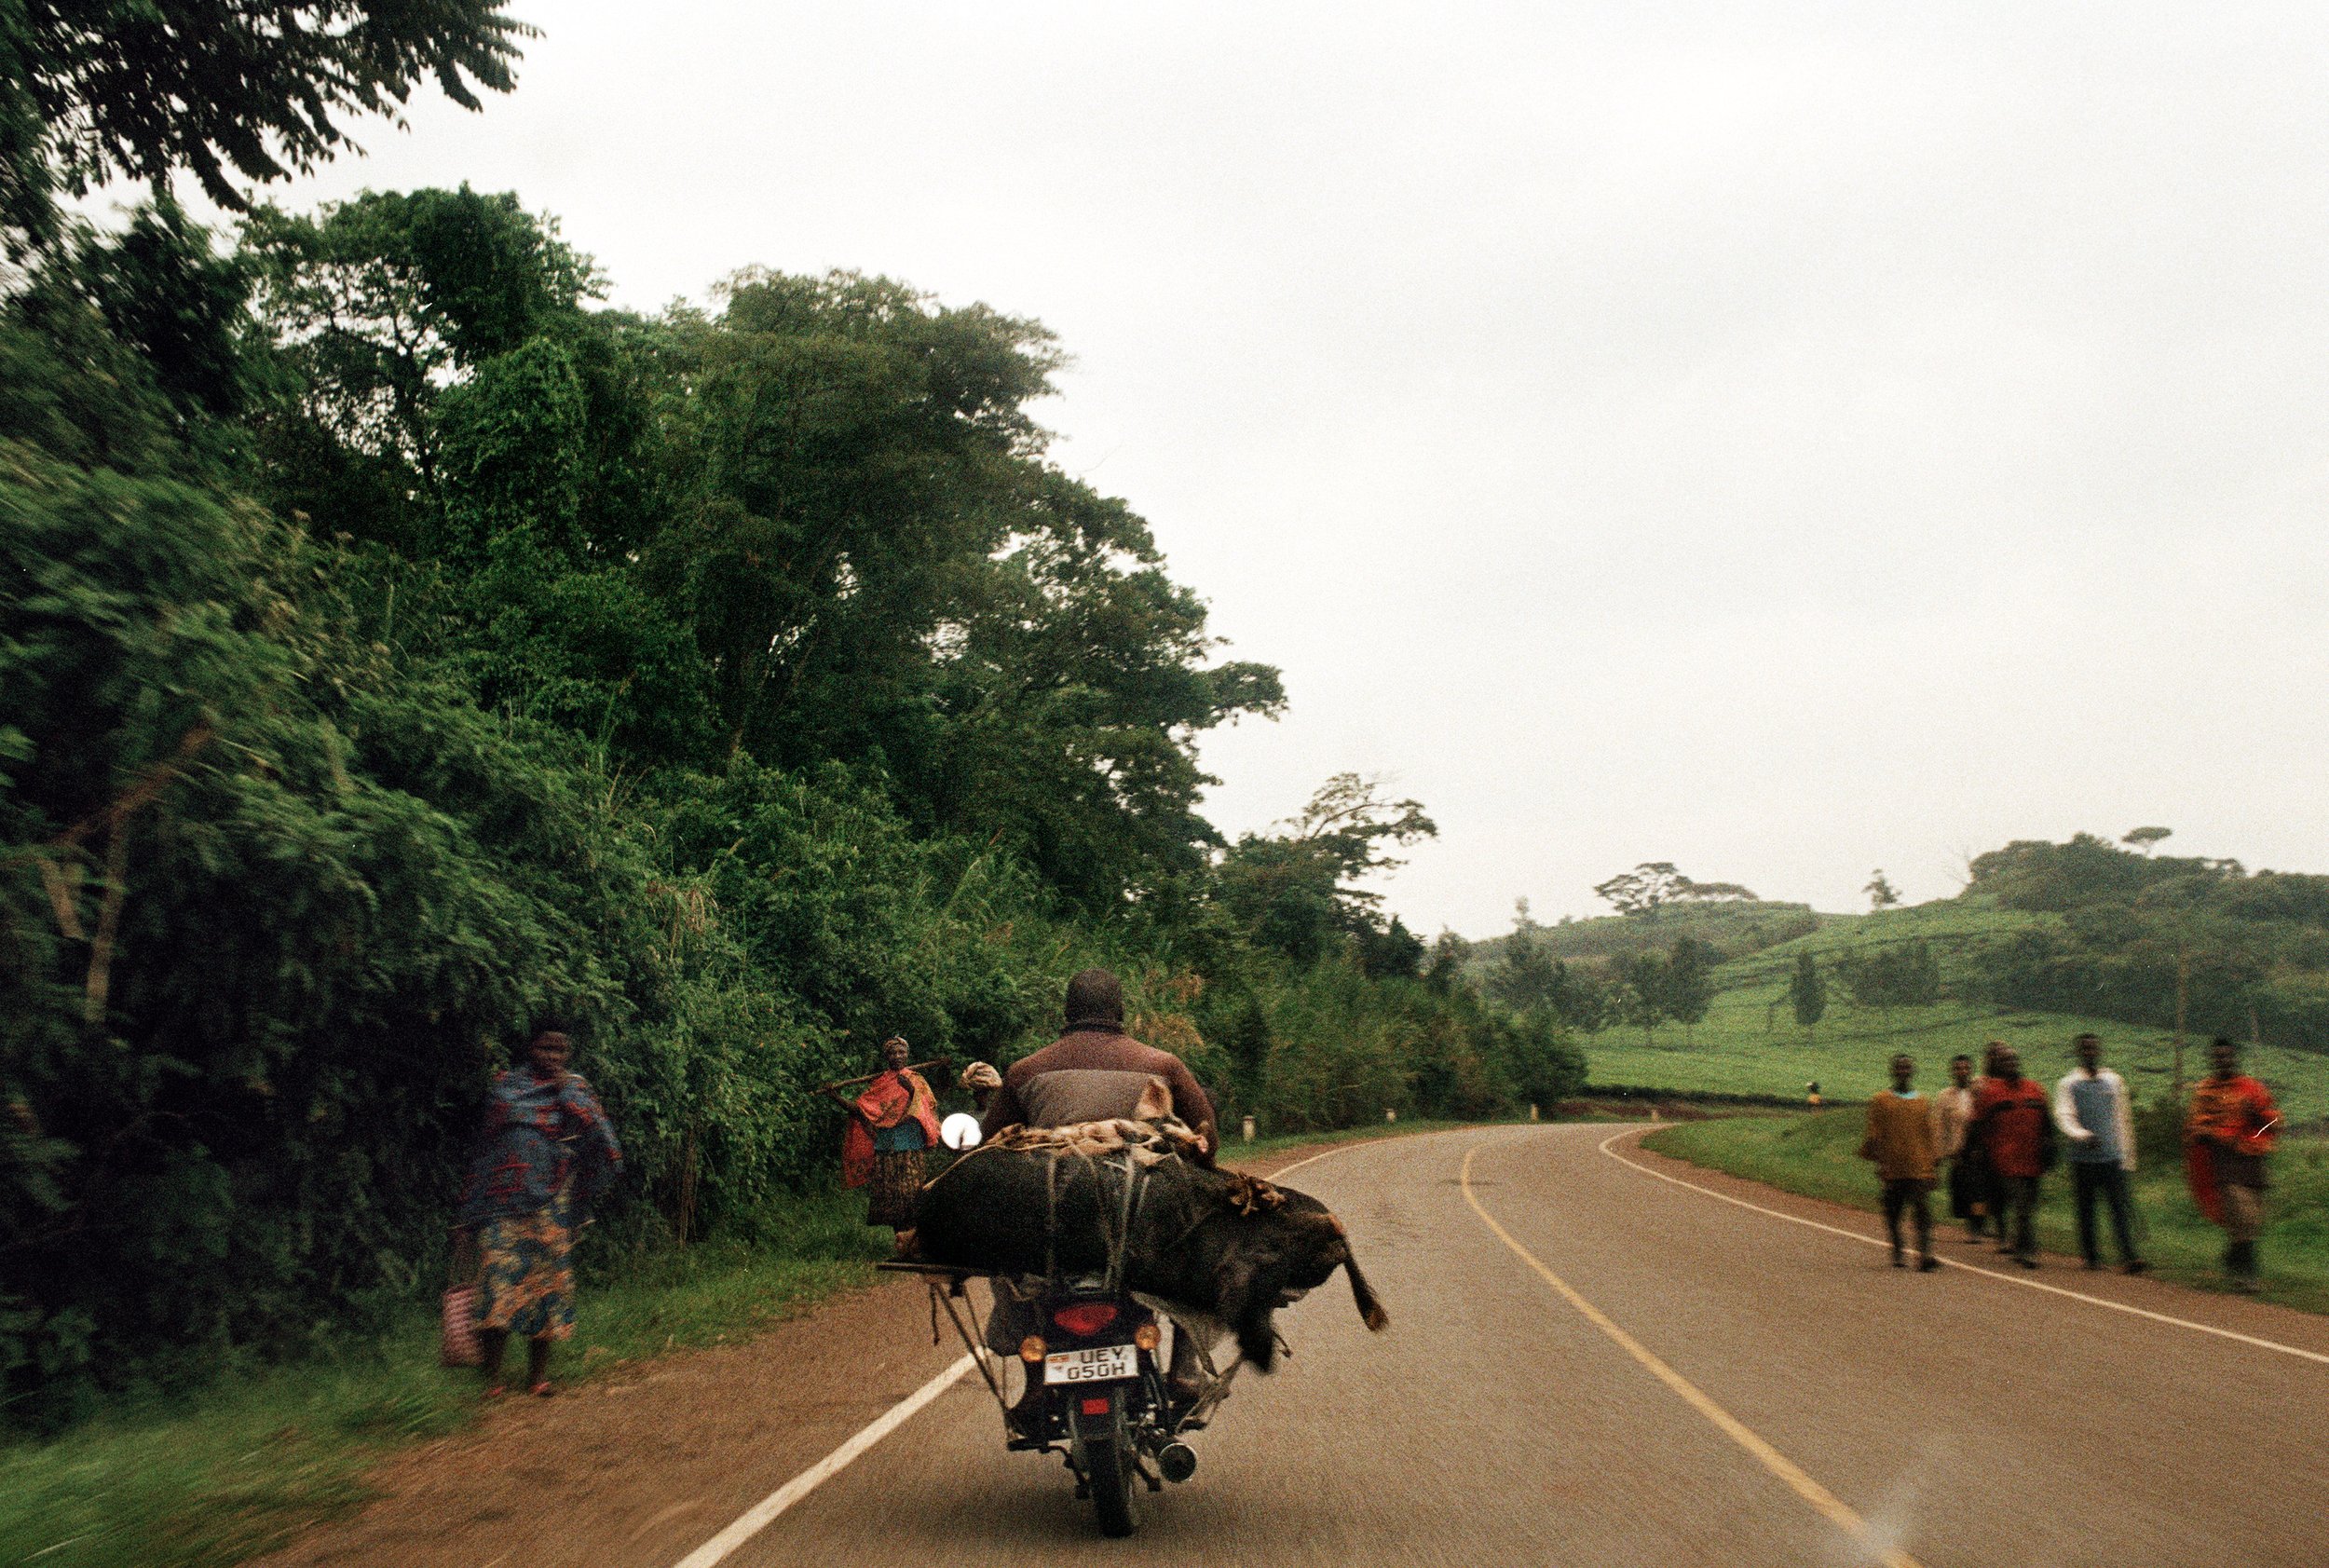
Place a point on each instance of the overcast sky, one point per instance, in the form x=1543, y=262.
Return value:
x=1783, y=440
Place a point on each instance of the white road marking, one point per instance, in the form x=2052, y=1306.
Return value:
x=1969, y=1268
x=765, y=1511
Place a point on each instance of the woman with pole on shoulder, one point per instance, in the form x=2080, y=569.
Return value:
x=892, y=1127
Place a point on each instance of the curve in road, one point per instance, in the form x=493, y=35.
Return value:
x=1950, y=1425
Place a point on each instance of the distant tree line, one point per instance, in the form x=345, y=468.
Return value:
x=1640, y=990
x=2247, y=953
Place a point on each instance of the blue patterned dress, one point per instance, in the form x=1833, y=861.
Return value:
x=545, y=1152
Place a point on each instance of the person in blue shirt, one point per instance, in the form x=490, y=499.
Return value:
x=2091, y=1109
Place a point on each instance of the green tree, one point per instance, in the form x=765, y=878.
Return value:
x=1807, y=993
x=1891, y=974
x=381, y=306
x=1655, y=883
x=223, y=89
x=1642, y=889
x=1296, y=892
x=1641, y=993
x=1689, y=981
x=1581, y=999
x=1882, y=894
x=2147, y=839
x=1526, y=974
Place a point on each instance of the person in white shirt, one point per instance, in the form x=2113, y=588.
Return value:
x=1968, y=1178
x=2091, y=1109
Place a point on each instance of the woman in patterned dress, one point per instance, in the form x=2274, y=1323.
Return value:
x=893, y=1124
x=546, y=1152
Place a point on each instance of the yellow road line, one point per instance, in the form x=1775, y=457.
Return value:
x=1779, y=1464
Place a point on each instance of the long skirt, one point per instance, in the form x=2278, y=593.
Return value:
x=527, y=1287
x=896, y=1188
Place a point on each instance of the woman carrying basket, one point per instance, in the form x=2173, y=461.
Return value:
x=545, y=1153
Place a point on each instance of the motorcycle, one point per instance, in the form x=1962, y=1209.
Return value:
x=1104, y=1402
x=1098, y=1391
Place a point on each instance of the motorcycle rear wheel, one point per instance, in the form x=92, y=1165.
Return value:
x=1112, y=1474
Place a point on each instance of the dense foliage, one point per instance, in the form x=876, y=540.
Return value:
x=2249, y=949
x=94, y=89
x=401, y=652
x=1890, y=973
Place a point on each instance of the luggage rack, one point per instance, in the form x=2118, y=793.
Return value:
x=948, y=1283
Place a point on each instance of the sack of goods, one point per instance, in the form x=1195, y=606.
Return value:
x=1085, y=1199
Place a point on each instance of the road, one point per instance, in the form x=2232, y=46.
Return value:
x=1587, y=1364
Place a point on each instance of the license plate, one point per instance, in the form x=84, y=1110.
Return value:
x=1099, y=1363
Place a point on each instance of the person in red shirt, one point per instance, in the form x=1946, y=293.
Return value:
x=2013, y=1120
x=2228, y=1135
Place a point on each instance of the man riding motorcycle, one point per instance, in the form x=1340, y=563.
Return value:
x=1093, y=1071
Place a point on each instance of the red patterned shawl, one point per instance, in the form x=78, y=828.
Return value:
x=888, y=1100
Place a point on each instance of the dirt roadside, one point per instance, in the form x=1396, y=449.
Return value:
x=635, y=1470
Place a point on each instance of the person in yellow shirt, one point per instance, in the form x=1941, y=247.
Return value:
x=1904, y=1138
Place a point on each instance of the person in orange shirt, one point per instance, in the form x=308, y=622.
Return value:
x=1904, y=1138
x=2229, y=1131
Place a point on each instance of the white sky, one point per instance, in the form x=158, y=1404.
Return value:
x=1783, y=440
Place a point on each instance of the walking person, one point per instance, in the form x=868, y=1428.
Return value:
x=892, y=1127
x=2091, y=1109
x=1968, y=1177
x=1904, y=1138
x=545, y=1154
x=2230, y=1130
x=2015, y=1124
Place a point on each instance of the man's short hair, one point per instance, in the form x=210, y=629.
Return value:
x=1096, y=996
x=1960, y=1056
x=2082, y=1039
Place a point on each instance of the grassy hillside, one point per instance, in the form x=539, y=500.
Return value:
x=1749, y=1042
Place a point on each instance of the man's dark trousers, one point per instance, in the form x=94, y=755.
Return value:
x=2017, y=1215
x=1909, y=1196
x=2105, y=1179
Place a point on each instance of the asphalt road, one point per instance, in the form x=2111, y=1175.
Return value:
x=1961, y=1420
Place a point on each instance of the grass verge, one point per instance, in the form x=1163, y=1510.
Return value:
x=1817, y=1155
x=235, y=1470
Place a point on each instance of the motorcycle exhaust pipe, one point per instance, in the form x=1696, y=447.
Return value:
x=1177, y=1461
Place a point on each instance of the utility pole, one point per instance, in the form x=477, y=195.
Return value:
x=2183, y=996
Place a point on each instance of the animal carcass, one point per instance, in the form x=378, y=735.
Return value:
x=1231, y=1247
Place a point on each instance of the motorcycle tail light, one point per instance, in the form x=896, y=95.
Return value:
x=1147, y=1336
x=1085, y=1319
x=1095, y=1407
